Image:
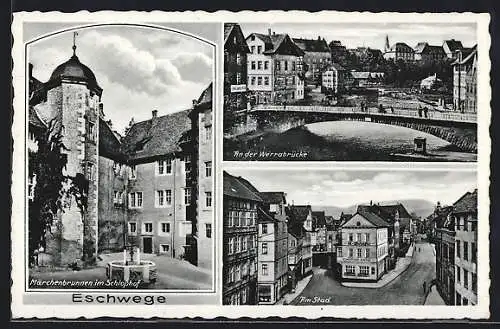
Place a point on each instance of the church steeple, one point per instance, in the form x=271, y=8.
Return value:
x=387, y=46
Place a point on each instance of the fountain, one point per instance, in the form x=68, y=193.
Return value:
x=132, y=269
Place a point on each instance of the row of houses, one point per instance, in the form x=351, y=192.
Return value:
x=270, y=245
x=453, y=230
x=151, y=188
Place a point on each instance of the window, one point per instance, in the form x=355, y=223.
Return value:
x=458, y=249
x=187, y=164
x=351, y=252
x=278, y=65
x=360, y=252
x=358, y=237
x=187, y=196
x=135, y=200
x=286, y=65
x=208, y=132
x=466, y=250
x=252, y=49
x=264, y=228
x=259, y=65
x=238, y=58
x=164, y=248
x=367, y=253
x=373, y=270
x=264, y=269
x=367, y=237
x=92, y=134
x=237, y=246
x=208, y=169
x=259, y=81
x=349, y=269
x=266, y=65
x=266, y=81
x=208, y=199
x=160, y=198
x=339, y=252
x=351, y=237
x=132, y=228
x=253, y=81
x=133, y=172
x=231, y=246
x=252, y=65
x=164, y=227
x=238, y=78
x=164, y=167
x=364, y=270
x=208, y=230
x=264, y=248
x=148, y=228
x=466, y=279
x=259, y=49
x=90, y=171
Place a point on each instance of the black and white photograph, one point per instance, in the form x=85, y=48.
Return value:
x=357, y=237
x=119, y=180
x=350, y=91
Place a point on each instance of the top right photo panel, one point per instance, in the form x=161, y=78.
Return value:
x=351, y=92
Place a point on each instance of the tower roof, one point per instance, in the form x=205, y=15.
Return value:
x=73, y=69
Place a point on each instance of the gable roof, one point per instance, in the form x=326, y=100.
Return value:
x=466, y=204
x=391, y=209
x=238, y=187
x=366, y=212
x=273, y=197
x=401, y=46
x=312, y=45
x=156, y=136
x=275, y=43
x=453, y=45
x=420, y=47
x=318, y=218
x=467, y=55
x=235, y=30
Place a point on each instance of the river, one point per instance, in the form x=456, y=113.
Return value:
x=342, y=141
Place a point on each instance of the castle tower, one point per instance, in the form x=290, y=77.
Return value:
x=72, y=103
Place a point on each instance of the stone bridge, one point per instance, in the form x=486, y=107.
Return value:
x=459, y=129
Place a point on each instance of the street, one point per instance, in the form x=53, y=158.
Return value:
x=406, y=289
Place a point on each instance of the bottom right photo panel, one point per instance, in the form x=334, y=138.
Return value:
x=350, y=237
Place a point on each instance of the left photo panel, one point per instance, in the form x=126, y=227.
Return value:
x=119, y=157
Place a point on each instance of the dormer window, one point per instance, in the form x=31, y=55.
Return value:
x=358, y=223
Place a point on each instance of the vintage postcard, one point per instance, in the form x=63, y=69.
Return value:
x=192, y=164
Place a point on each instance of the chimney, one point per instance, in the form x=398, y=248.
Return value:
x=154, y=113
x=195, y=102
x=269, y=32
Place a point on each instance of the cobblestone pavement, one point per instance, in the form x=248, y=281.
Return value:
x=407, y=289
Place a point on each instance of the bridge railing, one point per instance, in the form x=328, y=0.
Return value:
x=412, y=113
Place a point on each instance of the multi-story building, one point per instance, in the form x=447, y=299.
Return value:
x=300, y=231
x=364, y=250
x=450, y=48
x=427, y=53
x=142, y=187
x=272, y=281
x=296, y=236
x=337, y=50
x=398, y=51
x=336, y=79
x=445, y=253
x=240, y=241
x=275, y=68
x=465, y=81
x=465, y=217
x=317, y=57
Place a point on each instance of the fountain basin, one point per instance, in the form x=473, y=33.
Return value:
x=144, y=271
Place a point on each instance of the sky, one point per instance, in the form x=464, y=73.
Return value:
x=140, y=69
x=372, y=35
x=343, y=188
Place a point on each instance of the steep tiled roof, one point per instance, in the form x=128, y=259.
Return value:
x=401, y=45
x=403, y=213
x=318, y=219
x=238, y=187
x=273, y=197
x=420, y=47
x=157, y=136
x=453, y=45
x=206, y=96
x=298, y=213
x=467, y=203
x=228, y=27
x=312, y=45
x=273, y=42
x=109, y=145
x=368, y=214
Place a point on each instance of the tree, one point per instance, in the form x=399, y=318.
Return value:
x=52, y=187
